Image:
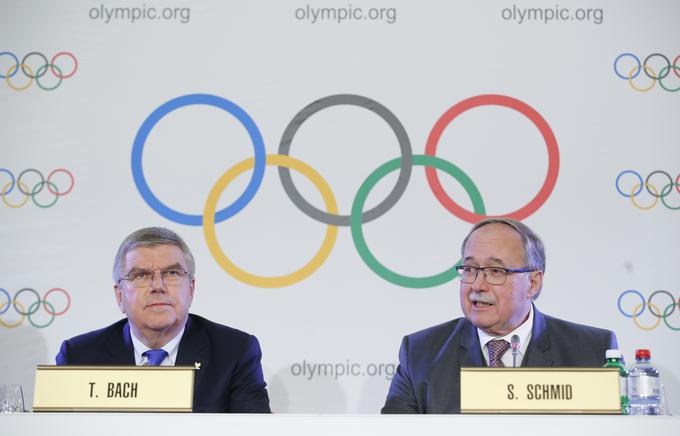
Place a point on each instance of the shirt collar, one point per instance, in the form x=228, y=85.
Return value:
x=523, y=331
x=171, y=347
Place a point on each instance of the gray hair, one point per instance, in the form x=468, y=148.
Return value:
x=534, y=253
x=150, y=237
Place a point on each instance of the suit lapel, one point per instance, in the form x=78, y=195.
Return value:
x=194, y=349
x=119, y=348
x=470, y=350
x=538, y=352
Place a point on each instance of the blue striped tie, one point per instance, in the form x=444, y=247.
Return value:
x=155, y=356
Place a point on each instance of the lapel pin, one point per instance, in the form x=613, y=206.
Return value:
x=197, y=365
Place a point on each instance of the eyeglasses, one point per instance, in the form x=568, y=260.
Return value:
x=143, y=278
x=492, y=274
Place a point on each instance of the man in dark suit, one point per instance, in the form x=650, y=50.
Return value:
x=503, y=262
x=154, y=285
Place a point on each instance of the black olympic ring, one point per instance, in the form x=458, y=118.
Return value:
x=661, y=315
x=382, y=112
x=668, y=63
x=23, y=65
x=33, y=307
x=670, y=181
x=30, y=170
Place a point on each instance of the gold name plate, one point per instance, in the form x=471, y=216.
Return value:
x=540, y=390
x=113, y=388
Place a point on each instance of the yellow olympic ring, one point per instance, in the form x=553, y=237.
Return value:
x=635, y=318
x=252, y=279
x=648, y=185
x=14, y=206
x=630, y=79
x=18, y=323
x=11, y=71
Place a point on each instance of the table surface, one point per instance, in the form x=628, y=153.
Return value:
x=103, y=424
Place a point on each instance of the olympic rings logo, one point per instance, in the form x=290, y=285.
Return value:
x=37, y=73
x=660, y=311
x=39, y=186
x=28, y=310
x=650, y=188
x=629, y=73
x=330, y=216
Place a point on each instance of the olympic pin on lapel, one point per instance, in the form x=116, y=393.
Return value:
x=197, y=366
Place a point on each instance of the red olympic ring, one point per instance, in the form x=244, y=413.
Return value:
x=68, y=173
x=493, y=100
x=68, y=299
x=64, y=53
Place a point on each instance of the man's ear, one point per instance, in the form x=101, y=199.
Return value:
x=119, y=297
x=536, y=284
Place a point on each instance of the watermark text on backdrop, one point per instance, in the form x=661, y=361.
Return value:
x=137, y=13
x=345, y=14
x=546, y=15
x=335, y=370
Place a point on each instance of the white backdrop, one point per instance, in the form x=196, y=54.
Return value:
x=330, y=341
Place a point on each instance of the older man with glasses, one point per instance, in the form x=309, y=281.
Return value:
x=503, y=262
x=153, y=275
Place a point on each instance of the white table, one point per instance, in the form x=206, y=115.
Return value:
x=104, y=424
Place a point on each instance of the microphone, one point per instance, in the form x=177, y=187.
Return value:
x=514, y=345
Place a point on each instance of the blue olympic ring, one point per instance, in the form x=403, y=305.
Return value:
x=209, y=100
x=4, y=170
x=16, y=62
x=631, y=291
x=629, y=172
x=9, y=300
x=639, y=65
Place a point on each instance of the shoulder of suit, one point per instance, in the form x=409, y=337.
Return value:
x=213, y=328
x=95, y=337
x=560, y=325
x=439, y=331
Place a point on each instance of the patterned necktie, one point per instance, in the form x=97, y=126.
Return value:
x=497, y=348
x=155, y=356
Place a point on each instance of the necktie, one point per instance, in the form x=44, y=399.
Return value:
x=155, y=356
x=497, y=348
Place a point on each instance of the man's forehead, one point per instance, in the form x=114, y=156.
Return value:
x=490, y=260
x=160, y=255
x=496, y=242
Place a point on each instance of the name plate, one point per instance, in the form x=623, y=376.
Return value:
x=540, y=390
x=113, y=388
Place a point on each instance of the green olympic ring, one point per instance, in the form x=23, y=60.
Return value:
x=358, y=207
x=37, y=304
x=665, y=315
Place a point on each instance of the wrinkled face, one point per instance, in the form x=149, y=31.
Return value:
x=157, y=308
x=497, y=309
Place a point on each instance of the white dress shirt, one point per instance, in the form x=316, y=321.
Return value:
x=524, y=333
x=171, y=347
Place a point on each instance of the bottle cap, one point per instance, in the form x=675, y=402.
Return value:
x=642, y=354
x=613, y=354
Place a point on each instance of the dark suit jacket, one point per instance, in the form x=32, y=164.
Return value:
x=428, y=377
x=230, y=378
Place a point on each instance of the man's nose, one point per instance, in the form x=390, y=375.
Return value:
x=157, y=284
x=480, y=281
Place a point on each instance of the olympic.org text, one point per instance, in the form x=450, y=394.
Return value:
x=547, y=15
x=309, y=370
x=346, y=14
x=143, y=13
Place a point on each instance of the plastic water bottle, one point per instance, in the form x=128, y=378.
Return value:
x=644, y=393
x=614, y=360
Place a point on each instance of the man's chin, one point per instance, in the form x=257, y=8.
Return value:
x=160, y=321
x=481, y=321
